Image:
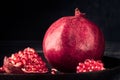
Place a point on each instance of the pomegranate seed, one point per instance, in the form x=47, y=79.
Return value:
x=53, y=71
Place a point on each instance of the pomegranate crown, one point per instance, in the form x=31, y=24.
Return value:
x=78, y=13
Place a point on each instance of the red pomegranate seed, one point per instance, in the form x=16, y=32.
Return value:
x=53, y=71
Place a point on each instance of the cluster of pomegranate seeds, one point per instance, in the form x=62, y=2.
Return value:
x=28, y=61
x=90, y=66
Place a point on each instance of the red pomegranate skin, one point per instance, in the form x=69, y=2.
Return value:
x=72, y=39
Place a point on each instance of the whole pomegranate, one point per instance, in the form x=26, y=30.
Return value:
x=72, y=39
x=26, y=61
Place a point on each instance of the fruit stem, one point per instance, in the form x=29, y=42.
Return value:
x=78, y=13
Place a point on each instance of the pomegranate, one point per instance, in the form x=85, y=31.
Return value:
x=26, y=61
x=72, y=39
x=90, y=66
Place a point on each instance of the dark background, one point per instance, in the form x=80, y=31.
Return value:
x=23, y=23
x=28, y=20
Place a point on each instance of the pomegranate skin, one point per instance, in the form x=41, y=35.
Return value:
x=72, y=39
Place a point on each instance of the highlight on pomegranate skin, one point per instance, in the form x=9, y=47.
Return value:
x=72, y=39
x=90, y=66
x=26, y=61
